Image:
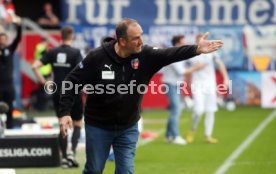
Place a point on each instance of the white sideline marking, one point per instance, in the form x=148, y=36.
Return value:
x=144, y=142
x=229, y=161
x=7, y=171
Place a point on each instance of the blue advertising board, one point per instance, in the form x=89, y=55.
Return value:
x=246, y=87
x=224, y=19
x=171, y=12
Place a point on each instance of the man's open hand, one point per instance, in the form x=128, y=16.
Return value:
x=208, y=46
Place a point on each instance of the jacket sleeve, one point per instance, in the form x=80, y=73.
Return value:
x=17, y=39
x=161, y=57
x=73, y=84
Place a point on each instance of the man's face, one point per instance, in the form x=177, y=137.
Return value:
x=134, y=42
x=3, y=41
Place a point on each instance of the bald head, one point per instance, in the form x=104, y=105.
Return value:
x=129, y=37
x=122, y=27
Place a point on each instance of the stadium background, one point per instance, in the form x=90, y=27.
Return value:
x=249, y=34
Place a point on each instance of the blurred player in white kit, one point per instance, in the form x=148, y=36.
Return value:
x=204, y=92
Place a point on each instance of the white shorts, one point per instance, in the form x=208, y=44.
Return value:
x=205, y=102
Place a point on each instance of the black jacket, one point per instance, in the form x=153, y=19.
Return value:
x=109, y=110
x=6, y=62
x=63, y=60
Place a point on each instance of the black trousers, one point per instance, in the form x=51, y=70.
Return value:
x=8, y=96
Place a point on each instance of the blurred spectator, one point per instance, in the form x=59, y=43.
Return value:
x=9, y=6
x=3, y=12
x=7, y=92
x=204, y=89
x=172, y=75
x=2, y=15
x=42, y=100
x=40, y=49
x=7, y=11
x=48, y=19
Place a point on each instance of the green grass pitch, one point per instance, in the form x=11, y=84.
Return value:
x=231, y=128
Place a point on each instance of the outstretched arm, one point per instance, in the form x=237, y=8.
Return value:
x=162, y=57
x=208, y=46
x=17, y=39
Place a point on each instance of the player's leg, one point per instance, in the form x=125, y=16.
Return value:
x=198, y=109
x=8, y=96
x=196, y=116
x=71, y=155
x=172, y=132
x=76, y=135
x=209, y=125
x=211, y=108
x=62, y=141
x=76, y=114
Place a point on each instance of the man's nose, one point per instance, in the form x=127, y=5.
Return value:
x=140, y=41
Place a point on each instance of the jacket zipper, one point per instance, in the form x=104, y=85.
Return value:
x=123, y=76
x=121, y=96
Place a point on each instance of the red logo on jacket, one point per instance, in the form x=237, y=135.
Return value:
x=135, y=63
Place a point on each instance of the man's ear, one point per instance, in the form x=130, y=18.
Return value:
x=122, y=41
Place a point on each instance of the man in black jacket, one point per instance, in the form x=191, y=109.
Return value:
x=7, y=91
x=114, y=74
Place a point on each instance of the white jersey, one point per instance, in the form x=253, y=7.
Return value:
x=206, y=76
x=173, y=73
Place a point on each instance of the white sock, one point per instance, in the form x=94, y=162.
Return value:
x=209, y=123
x=195, y=120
